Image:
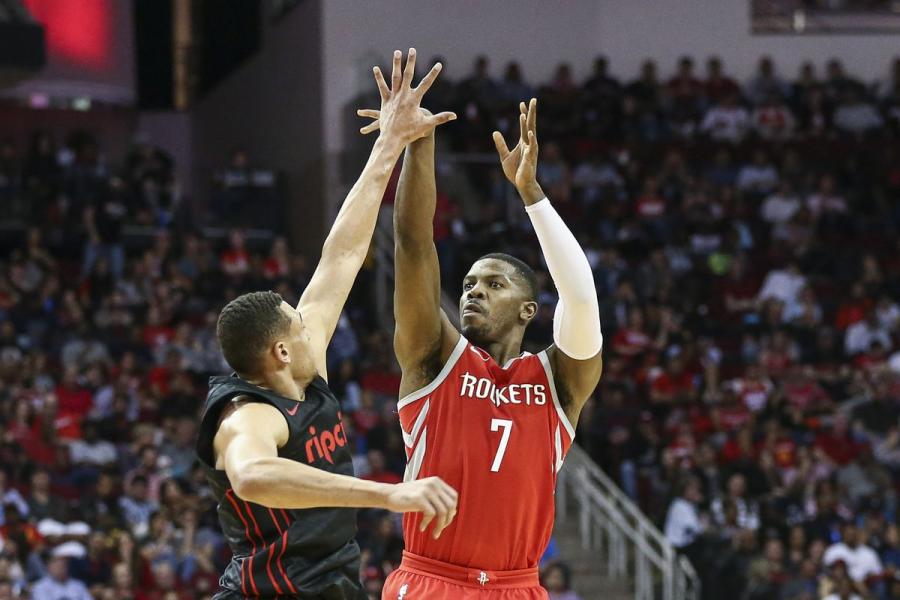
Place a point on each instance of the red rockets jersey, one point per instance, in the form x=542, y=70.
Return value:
x=498, y=435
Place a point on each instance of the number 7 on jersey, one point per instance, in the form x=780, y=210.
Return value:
x=496, y=424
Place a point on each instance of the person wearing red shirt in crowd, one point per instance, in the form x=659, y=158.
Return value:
x=235, y=260
x=738, y=447
x=23, y=533
x=873, y=360
x=685, y=90
x=278, y=263
x=380, y=377
x=718, y=86
x=161, y=376
x=682, y=449
x=838, y=443
x=803, y=392
x=632, y=340
x=779, y=445
x=675, y=385
x=737, y=290
x=731, y=415
x=853, y=310
x=779, y=356
x=379, y=471
x=72, y=396
x=754, y=388
x=157, y=333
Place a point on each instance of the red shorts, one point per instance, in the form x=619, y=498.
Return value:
x=420, y=578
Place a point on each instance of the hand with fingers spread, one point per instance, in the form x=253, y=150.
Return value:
x=400, y=116
x=430, y=496
x=520, y=163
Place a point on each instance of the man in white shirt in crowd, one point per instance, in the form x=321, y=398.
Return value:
x=860, y=335
x=781, y=206
x=727, y=121
x=57, y=585
x=683, y=523
x=783, y=284
x=861, y=560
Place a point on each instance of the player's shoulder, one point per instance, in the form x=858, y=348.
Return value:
x=245, y=414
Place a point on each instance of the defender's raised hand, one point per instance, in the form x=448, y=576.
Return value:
x=520, y=163
x=400, y=116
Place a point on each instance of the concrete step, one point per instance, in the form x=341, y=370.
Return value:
x=588, y=566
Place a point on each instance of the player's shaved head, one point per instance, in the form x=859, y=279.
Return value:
x=524, y=274
x=247, y=327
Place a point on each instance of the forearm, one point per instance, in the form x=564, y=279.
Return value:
x=417, y=289
x=416, y=196
x=576, y=324
x=352, y=231
x=282, y=483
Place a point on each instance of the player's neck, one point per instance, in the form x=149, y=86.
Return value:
x=502, y=351
x=282, y=383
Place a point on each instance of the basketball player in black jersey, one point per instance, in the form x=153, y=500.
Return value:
x=271, y=438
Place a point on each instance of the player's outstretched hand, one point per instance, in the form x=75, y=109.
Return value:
x=400, y=115
x=520, y=163
x=430, y=496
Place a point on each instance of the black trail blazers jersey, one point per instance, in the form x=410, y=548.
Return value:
x=307, y=553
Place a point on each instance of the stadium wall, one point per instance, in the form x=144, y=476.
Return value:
x=271, y=106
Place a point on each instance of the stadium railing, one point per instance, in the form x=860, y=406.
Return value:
x=611, y=525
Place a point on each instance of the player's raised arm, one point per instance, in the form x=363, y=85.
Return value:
x=247, y=441
x=422, y=330
x=423, y=333
x=400, y=122
x=577, y=335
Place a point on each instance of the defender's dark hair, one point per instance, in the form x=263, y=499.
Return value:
x=246, y=327
x=523, y=271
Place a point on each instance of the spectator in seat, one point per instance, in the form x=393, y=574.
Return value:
x=57, y=585
x=783, y=284
x=513, y=88
x=861, y=560
x=855, y=115
x=773, y=120
x=557, y=579
x=135, y=506
x=684, y=525
x=758, y=177
x=781, y=206
x=685, y=91
x=718, y=86
x=726, y=121
x=765, y=83
x=748, y=511
x=861, y=335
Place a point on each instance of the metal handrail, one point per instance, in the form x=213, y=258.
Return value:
x=631, y=539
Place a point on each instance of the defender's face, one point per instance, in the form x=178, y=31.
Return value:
x=492, y=301
x=299, y=344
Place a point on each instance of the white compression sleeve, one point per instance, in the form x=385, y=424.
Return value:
x=576, y=323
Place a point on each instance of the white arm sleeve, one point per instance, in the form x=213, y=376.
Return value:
x=576, y=323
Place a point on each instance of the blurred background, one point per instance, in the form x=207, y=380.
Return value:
x=732, y=169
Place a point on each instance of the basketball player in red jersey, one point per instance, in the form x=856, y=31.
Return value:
x=491, y=421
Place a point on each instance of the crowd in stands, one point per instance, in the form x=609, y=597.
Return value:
x=744, y=240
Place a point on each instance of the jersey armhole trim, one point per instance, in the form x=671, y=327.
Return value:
x=545, y=362
x=448, y=366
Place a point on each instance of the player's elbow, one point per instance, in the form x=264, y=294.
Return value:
x=249, y=482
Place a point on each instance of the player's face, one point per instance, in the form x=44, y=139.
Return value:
x=299, y=345
x=492, y=302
